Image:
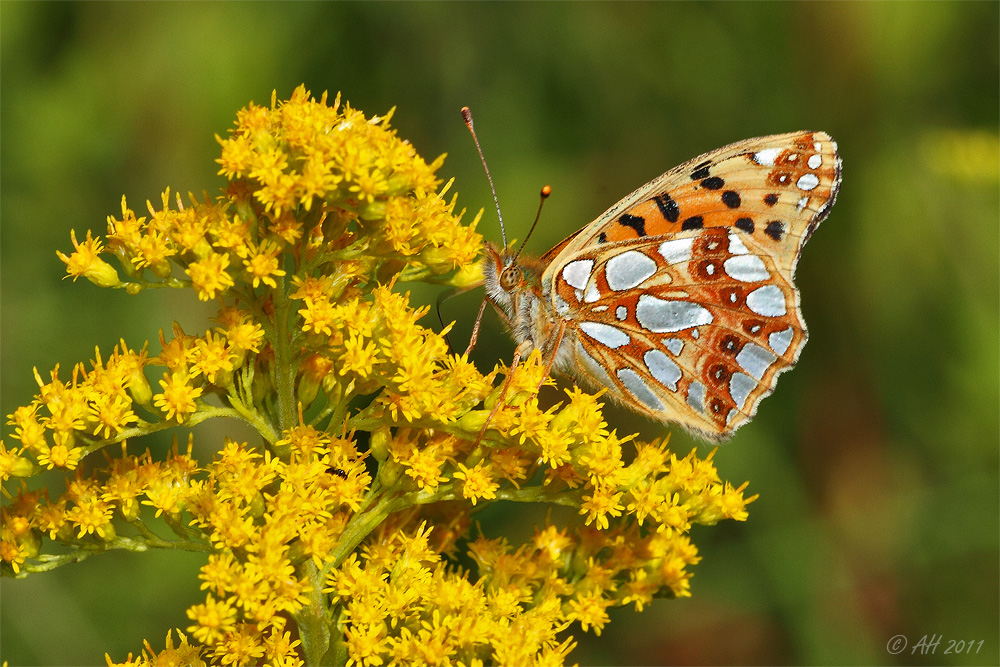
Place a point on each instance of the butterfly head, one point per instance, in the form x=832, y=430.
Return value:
x=502, y=276
x=507, y=280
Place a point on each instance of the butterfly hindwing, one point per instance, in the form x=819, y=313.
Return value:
x=693, y=329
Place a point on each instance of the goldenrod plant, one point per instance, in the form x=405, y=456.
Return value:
x=343, y=532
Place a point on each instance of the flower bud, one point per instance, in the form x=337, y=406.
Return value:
x=380, y=443
x=473, y=420
x=130, y=510
x=468, y=275
x=102, y=274
x=21, y=466
x=161, y=269
x=202, y=248
x=398, y=184
x=307, y=390
x=439, y=259
x=109, y=532
x=31, y=542
x=65, y=534
x=257, y=506
x=388, y=473
x=223, y=378
x=372, y=211
x=138, y=387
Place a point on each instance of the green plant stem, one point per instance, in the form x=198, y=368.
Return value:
x=252, y=417
x=362, y=524
x=321, y=639
x=47, y=562
x=311, y=619
x=539, y=494
x=204, y=412
x=285, y=366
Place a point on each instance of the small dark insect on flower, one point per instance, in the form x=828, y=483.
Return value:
x=339, y=472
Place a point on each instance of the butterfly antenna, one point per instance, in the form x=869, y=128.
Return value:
x=543, y=195
x=467, y=117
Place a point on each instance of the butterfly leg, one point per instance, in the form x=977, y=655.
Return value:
x=475, y=328
x=522, y=349
x=551, y=353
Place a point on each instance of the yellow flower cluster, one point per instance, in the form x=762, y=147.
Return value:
x=402, y=602
x=337, y=537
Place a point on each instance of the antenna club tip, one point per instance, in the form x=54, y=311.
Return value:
x=546, y=191
x=467, y=115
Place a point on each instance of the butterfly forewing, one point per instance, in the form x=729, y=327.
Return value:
x=776, y=188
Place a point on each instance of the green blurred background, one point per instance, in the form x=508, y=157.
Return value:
x=876, y=460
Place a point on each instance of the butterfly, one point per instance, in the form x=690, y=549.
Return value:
x=680, y=299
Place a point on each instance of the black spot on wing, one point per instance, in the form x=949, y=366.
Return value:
x=694, y=222
x=775, y=229
x=701, y=171
x=668, y=207
x=635, y=222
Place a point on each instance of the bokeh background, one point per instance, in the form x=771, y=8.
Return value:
x=876, y=460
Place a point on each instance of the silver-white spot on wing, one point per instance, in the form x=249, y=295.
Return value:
x=628, y=269
x=767, y=156
x=740, y=386
x=780, y=340
x=746, y=268
x=605, y=334
x=736, y=246
x=577, y=273
x=675, y=345
x=676, y=251
x=696, y=396
x=807, y=182
x=662, y=368
x=768, y=301
x=639, y=390
x=755, y=360
x=660, y=316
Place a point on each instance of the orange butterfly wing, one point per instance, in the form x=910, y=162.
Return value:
x=681, y=296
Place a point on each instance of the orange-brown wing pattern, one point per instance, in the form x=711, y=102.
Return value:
x=777, y=189
x=680, y=297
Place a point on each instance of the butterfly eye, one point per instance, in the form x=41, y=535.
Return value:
x=510, y=278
